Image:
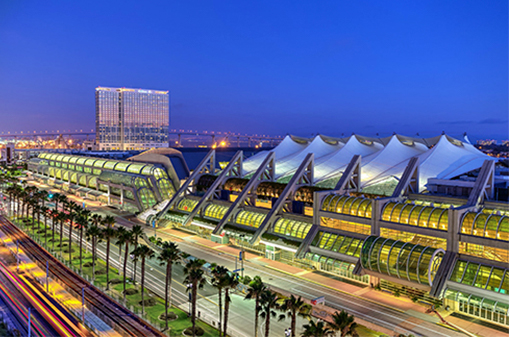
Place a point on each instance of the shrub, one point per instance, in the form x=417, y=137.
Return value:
x=131, y=291
x=197, y=330
x=150, y=302
x=246, y=280
x=414, y=299
x=87, y=264
x=171, y=316
x=397, y=293
x=116, y=281
x=100, y=272
x=67, y=250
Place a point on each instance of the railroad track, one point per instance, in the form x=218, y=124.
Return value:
x=126, y=322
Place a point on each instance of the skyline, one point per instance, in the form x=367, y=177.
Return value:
x=280, y=68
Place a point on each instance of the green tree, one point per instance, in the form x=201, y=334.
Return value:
x=45, y=214
x=81, y=224
x=195, y=278
x=93, y=235
x=254, y=292
x=143, y=252
x=343, y=323
x=169, y=255
x=108, y=233
x=137, y=231
x=232, y=282
x=73, y=209
x=219, y=281
x=294, y=307
x=120, y=234
x=62, y=218
x=268, y=302
x=316, y=330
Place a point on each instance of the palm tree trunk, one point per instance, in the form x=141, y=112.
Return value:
x=125, y=264
x=70, y=240
x=53, y=235
x=61, y=233
x=81, y=248
x=292, y=324
x=142, y=285
x=193, y=307
x=119, y=257
x=134, y=271
x=108, y=264
x=226, y=309
x=257, y=303
x=220, y=300
x=168, y=271
x=267, y=324
x=93, y=259
x=46, y=230
x=171, y=278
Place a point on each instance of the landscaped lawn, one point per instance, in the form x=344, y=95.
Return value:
x=176, y=326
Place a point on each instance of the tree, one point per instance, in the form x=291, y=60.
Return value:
x=55, y=215
x=343, y=323
x=73, y=209
x=137, y=231
x=81, y=224
x=143, y=252
x=93, y=234
x=108, y=233
x=219, y=281
x=62, y=218
x=316, y=329
x=170, y=254
x=231, y=281
x=294, y=307
x=125, y=238
x=195, y=278
x=268, y=302
x=45, y=212
x=256, y=288
x=108, y=221
x=120, y=234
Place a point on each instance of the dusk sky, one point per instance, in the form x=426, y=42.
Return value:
x=269, y=67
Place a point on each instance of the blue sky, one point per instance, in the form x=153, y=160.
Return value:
x=270, y=67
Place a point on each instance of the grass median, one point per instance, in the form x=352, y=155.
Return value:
x=153, y=312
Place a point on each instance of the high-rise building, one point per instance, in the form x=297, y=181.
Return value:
x=131, y=119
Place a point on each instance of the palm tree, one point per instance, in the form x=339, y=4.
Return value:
x=231, y=281
x=343, y=323
x=268, y=302
x=256, y=288
x=73, y=209
x=170, y=254
x=108, y=221
x=316, y=329
x=45, y=212
x=137, y=230
x=55, y=217
x=219, y=274
x=195, y=278
x=143, y=252
x=108, y=233
x=63, y=218
x=93, y=234
x=82, y=223
x=126, y=238
x=120, y=234
x=294, y=307
x=96, y=219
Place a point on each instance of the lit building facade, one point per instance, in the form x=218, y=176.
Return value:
x=131, y=119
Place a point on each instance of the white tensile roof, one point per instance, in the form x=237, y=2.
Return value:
x=338, y=161
x=288, y=146
x=440, y=157
x=318, y=146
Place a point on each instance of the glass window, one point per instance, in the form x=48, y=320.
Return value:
x=495, y=279
x=467, y=223
x=482, y=276
x=470, y=273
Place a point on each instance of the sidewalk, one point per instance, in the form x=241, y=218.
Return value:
x=400, y=304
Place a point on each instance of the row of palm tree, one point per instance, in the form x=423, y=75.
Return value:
x=96, y=228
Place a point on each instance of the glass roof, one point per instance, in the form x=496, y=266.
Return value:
x=492, y=226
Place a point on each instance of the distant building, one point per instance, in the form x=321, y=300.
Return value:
x=131, y=119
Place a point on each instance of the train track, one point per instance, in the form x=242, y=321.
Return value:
x=126, y=322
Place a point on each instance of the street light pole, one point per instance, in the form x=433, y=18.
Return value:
x=83, y=305
x=47, y=275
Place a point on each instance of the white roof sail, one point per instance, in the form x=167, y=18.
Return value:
x=318, y=146
x=336, y=162
x=448, y=159
x=288, y=146
x=388, y=162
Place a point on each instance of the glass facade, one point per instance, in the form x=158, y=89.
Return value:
x=338, y=243
x=216, y=211
x=347, y=205
x=416, y=215
x=336, y=266
x=347, y=226
x=251, y=219
x=401, y=259
x=294, y=228
x=131, y=118
x=486, y=225
x=481, y=276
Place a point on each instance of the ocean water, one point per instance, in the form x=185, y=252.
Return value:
x=194, y=156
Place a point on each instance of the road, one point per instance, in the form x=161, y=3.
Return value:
x=373, y=312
